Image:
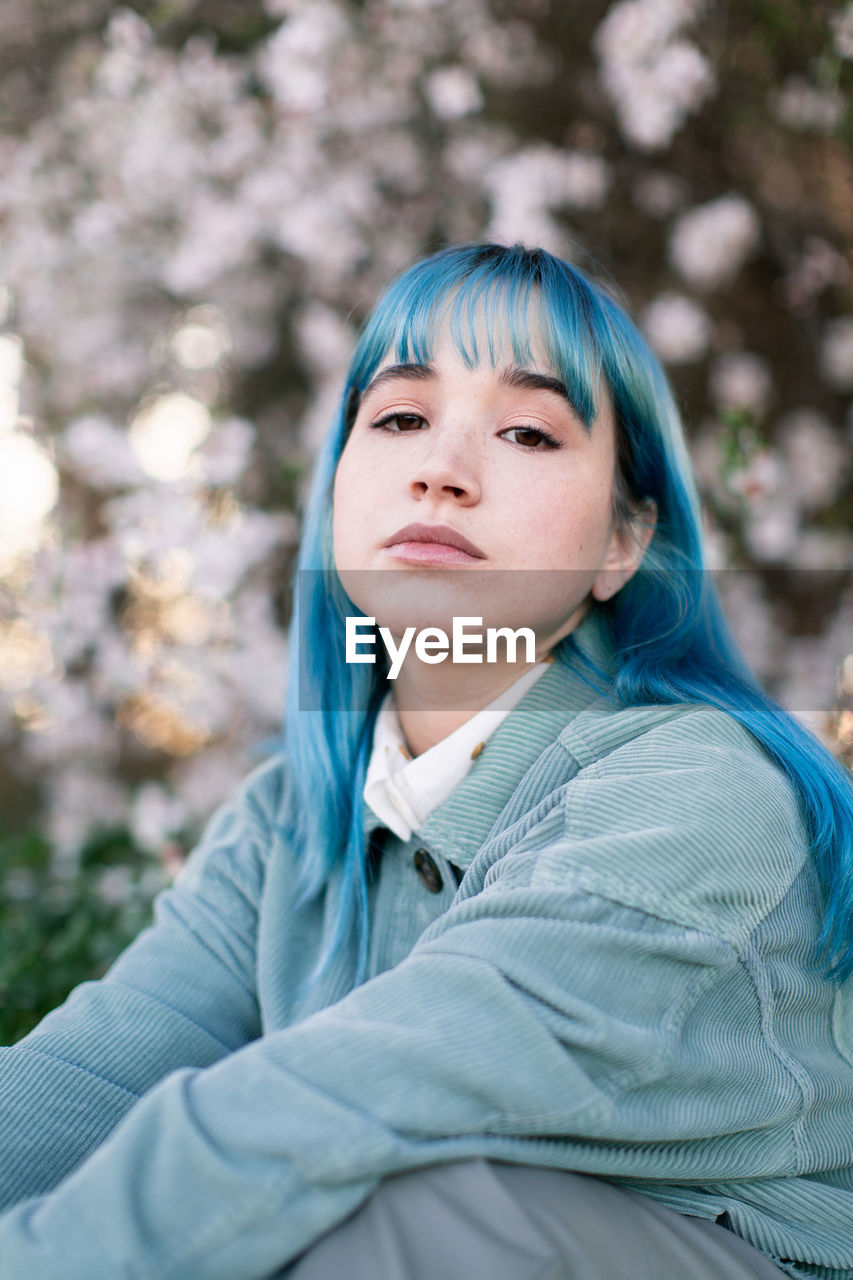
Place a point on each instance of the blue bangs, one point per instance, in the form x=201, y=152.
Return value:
x=522, y=298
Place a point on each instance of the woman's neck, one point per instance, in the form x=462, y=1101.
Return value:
x=431, y=703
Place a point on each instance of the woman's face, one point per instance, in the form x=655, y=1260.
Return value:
x=494, y=459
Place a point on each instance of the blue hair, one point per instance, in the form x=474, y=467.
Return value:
x=671, y=640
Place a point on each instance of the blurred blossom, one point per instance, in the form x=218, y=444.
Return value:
x=100, y=453
x=821, y=549
x=654, y=78
x=470, y=154
x=115, y=886
x=801, y=105
x=750, y=616
x=296, y=61
x=216, y=234
x=324, y=338
x=526, y=186
x=29, y=488
x=813, y=661
x=677, y=327
x=836, y=353
x=452, y=92
x=506, y=53
x=205, y=781
x=156, y=816
x=25, y=654
x=224, y=555
x=760, y=479
x=89, y=574
x=772, y=533
x=741, y=380
x=202, y=340
x=75, y=730
x=819, y=266
x=162, y=722
x=79, y=803
x=710, y=243
x=258, y=672
x=658, y=193
x=717, y=551
x=165, y=433
x=222, y=458
x=816, y=458
x=418, y=6
x=11, y=366
x=842, y=30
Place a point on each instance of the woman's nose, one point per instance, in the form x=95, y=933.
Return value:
x=447, y=470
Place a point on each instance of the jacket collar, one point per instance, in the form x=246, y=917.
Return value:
x=459, y=826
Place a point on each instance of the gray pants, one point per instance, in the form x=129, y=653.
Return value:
x=479, y=1220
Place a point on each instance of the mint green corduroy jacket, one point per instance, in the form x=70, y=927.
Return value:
x=623, y=984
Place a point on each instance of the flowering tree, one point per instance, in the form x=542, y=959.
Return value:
x=197, y=207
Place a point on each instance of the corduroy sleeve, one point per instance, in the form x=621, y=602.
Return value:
x=182, y=995
x=538, y=1020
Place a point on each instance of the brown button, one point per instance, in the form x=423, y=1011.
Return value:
x=428, y=871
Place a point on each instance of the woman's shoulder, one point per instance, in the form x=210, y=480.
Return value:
x=660, y=730
x=681, y=811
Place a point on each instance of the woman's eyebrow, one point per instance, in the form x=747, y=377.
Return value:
x=530, y=381
x=414, y=372
x=510, y=377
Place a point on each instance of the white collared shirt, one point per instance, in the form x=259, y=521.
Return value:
x=403, y=791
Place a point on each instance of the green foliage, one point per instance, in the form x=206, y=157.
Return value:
x=59, y=930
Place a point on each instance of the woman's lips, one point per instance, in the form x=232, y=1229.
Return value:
x=432, y=544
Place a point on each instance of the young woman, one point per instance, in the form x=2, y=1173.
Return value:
x=532, y=968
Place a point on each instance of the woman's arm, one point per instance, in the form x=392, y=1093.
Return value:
x=182, y=995
x=537, y=1021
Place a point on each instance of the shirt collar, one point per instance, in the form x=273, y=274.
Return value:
x=402, y=791
x=579, y=676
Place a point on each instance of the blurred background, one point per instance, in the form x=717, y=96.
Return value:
x=200, y=199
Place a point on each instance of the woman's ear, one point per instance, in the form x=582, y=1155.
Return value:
x=627, y=548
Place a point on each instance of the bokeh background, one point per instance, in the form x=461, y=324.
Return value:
x=199, y=200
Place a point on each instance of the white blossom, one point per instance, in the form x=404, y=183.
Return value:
x=452, y=92
x=836, y=353
x=816, y=458
x=753, y=625
x=677, y=327
x=78, y=803
x=842, y=31
x=324, y=338
x=772, y=533
x=741, y=380
x=222, y=458
x=801, y=105
x=654, y=77
x=658, y=193
x=156, y=815
x=710, y=243
x=100, y=453
x=526, y=186
x=818, y=266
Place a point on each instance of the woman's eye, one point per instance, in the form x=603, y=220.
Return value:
x=398, y=422
x=531, y=438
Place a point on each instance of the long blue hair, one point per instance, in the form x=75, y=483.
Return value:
x=671, y=640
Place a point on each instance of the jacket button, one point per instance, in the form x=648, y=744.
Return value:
x=428, y=871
